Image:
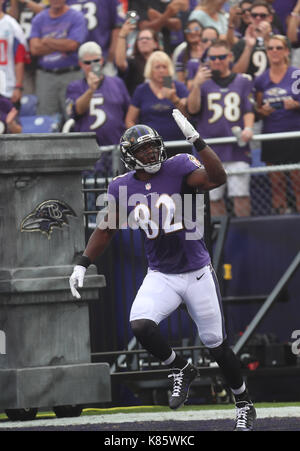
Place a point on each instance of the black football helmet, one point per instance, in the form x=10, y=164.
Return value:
x=134, y=139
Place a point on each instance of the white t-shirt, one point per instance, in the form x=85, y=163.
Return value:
x=221, y=24
x=12, y=50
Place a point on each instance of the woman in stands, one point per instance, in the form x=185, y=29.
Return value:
x=153, y=101
x=278, y=104
x=131, y=68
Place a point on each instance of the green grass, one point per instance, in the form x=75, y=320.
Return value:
x=144, y=409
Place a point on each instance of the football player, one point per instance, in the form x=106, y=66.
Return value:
x=180, y=269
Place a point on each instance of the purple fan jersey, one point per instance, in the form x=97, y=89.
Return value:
x=281, y=120
x=169, y=213
x=157, y=113
x=102, y=17
x=5, y=107
x=70, y=25
x=223, y=107
x=107, y=111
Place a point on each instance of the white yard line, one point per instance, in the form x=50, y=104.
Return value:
x=191, y=415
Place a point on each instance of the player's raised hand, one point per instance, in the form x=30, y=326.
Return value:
x=76, y=280
x=185, y=126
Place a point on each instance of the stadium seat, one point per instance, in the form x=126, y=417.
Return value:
x=40, y=124
x=28, y=105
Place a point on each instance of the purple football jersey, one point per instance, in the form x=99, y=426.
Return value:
x=5, y=107
x=107, y=111
x=223, y=107
x=70, y=25
x=102, y=17
x=169, y=213
x=281, y=120
x=157, y=113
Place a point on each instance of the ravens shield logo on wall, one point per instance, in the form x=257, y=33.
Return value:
x=46, y=216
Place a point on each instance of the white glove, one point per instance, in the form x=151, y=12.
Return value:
x=76, y=280
x=185, y=126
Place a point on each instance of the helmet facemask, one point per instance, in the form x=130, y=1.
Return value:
x=145, y=152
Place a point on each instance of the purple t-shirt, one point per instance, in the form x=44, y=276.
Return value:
x=171, y=245
x=223, y=107
x=157, y=113
x=70, y=25
x=281, y=120
x=283, y=9
x=107, y=111
x=5, y=107
x=102, y=17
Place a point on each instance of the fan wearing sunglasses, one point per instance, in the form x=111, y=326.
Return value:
x=97, y=102
x=250, y=52
x=279, y=107
x=194, y=49
x=221, y=100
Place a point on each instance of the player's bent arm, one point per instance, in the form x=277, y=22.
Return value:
x=98, y=242
x=212, y=175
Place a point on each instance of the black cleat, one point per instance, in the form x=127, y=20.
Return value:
x=245, y=416
x=181, y=384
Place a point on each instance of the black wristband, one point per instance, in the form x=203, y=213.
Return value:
x=84, y=261
x=199, y=144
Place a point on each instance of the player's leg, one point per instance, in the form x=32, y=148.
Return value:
x=156, y=300
x=204, y=305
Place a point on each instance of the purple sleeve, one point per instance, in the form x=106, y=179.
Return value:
x=78, y=31
x=36, y=24
x=247, y=98
x=181, y=89
x=72, y=93
x=137, y=96
x=184, y=164
x=258, y=83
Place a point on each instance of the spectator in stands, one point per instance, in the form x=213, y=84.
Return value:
x=293, y=30
x=282, y=9
x=239, y=20
x=177, y=37
x=8, y=117
x=221, y=101
x=159, y=16
x=13, y=56
x=210, y=35
x=210, y=14
x=194, y=49
x=293, y=33
x=278, y=103
x=55, y=37
x=250, y=52
x=153, y=101
x=131, y=69
x=98, y=103
x=103, y=23
x=24, y=11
